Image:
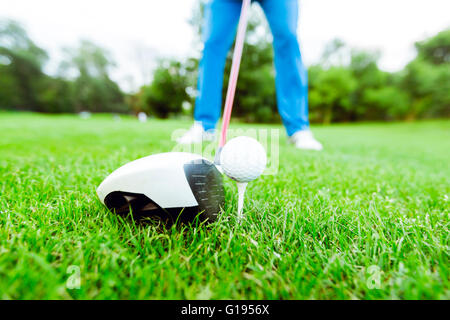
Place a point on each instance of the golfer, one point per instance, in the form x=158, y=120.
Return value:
x=221, y=18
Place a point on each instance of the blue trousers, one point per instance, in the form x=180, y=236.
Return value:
x=219, y=29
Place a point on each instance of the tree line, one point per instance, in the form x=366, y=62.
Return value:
x=345, y=85
x=82, y=82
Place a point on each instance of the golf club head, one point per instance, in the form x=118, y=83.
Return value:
x=173, y=186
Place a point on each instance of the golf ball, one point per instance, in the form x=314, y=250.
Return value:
x=243, y=159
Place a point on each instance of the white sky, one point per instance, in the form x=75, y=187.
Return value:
x=138, y=31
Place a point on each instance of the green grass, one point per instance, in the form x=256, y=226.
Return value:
x=376, y=196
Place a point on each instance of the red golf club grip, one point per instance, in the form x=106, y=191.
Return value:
x=237, y=54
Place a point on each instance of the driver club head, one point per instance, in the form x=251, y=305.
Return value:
x=173, y=186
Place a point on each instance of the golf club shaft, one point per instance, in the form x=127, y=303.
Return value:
x=237, y=54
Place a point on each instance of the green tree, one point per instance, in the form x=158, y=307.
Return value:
x=21, y=63
x=93, y=88
x=427, y=78
x=167, y=92
x=56, y=95
x=364, y=68
x=330, y=92
x=436, y=49
x=390, y=102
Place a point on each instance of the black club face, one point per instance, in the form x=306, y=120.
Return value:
x=207, y=186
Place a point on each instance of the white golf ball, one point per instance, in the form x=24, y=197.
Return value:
x=243, y=159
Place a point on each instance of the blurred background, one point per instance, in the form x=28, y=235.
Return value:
x=367, y=60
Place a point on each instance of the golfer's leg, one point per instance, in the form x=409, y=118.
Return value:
x=291, y=75
x=221, y=17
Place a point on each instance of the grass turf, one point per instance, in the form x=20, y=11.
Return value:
x=376, y=199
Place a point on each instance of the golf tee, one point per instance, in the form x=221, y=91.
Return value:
x=241, y=193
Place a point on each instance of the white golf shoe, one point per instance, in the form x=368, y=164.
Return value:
x=196, y=134
x=304, y=139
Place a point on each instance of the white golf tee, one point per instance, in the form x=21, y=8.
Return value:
x=241, y=193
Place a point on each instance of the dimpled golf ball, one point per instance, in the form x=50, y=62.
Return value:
x=243, y=159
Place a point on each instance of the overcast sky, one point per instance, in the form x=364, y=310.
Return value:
x=138, y=31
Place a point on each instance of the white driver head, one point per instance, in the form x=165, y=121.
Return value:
x=169, y=185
